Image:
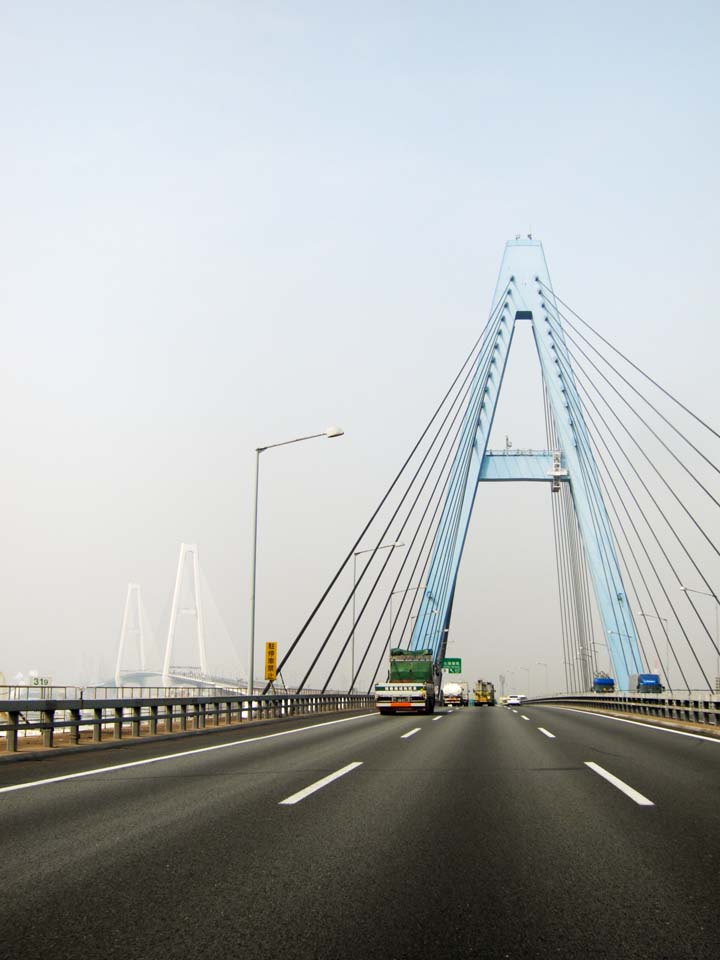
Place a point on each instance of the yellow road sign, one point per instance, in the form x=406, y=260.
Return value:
x=270, y=660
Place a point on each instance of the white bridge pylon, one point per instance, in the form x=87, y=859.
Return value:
x=186, y=550
x=133, y=605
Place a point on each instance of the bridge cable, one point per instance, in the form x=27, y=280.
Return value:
x=424, y=433
x=461, y=409
x=646, y=424
x=471, y=376
x=640, y=540
x=628, y=360
x=601, y=459
x=452, y=508
x=609, y=430
x=594, y=497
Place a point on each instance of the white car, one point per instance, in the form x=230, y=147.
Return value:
x=514, y=701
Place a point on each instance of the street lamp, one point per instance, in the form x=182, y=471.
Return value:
x=432, y=613
x=356, y=554
x=405, y=590
x=654, y=616
x=704, y=593
x=541, y=663
x=330, y=432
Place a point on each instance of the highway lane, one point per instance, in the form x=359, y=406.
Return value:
x=476, y=836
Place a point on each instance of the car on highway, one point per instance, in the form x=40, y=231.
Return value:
x=514, y=701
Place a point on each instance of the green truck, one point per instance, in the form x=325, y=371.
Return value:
x=412, y=685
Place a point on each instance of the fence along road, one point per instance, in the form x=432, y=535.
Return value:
x=503, y=841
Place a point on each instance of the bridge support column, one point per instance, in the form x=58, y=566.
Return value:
x=118, y=723
x=76, y=717
x=135, y=722
x=11, y=743
x=153, y=721
x=97, y=725
x=183, y=716
x=48, y=732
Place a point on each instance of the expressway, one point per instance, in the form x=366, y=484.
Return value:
x=473, y=833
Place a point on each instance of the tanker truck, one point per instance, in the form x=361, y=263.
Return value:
x=412, y=685
x=456, y=693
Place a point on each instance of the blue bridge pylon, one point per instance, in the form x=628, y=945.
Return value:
x=522, y=294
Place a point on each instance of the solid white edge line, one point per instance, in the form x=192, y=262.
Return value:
x=411, y=733
x=621, y=785
x=318, y=785
x=175, y=756
x=636, y=723
x=547, y=733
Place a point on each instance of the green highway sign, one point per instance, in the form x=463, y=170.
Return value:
x=452, y=664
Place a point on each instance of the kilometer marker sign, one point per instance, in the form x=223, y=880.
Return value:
x=452, y=664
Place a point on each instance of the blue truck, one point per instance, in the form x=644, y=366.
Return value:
x=603, y=684
x=645, y=683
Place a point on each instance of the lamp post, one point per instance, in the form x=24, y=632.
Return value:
x=527, y=671
x=704, y=593
x=394, y=593
x=382, y=546
x=433, y=613
x=330, y=432
x=654, y=616
x=541, y=663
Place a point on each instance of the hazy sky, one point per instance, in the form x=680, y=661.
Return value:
x=229, y=223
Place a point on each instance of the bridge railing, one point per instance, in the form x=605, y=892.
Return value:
x=693, y=707
x=46, y=723
x=25, y=692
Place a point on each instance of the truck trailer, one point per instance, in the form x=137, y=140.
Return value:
x=412, y=685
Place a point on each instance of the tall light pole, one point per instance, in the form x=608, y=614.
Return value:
x=527, y=670
x=330, y=432
x=433, y=613
x=382, y=546
x=395, y=592
x=654, y=616
x=704, y=593
x=541, y=663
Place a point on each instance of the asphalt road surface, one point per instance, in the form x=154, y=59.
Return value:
x=475, y=833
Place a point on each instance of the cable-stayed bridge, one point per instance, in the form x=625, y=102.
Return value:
x=632, y=483
x=577, y=827
x=631, y=474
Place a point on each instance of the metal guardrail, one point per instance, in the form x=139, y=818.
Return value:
x=148, y=715
x=693, y=708
x=36, y=692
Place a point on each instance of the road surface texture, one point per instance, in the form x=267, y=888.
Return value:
x=481, y=832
